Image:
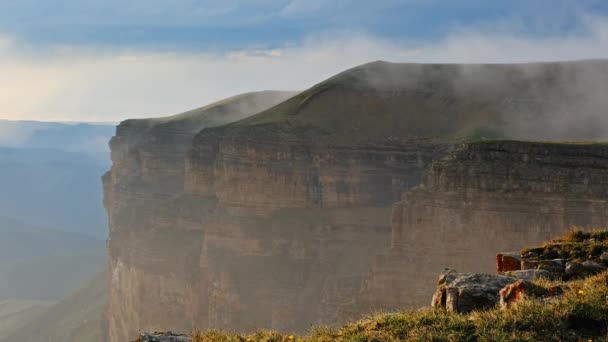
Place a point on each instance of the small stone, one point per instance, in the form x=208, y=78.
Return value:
x=594, y=267
x=604, y=256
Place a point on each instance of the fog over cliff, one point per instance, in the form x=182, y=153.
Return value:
x=562, y=101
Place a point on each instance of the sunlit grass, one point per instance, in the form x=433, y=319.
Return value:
x=581, y=314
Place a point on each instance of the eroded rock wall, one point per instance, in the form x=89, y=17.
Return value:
x=261, y=234
x=155, y=227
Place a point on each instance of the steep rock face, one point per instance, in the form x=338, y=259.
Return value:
x=485, y=197
x=155, y=228
x=274, y=221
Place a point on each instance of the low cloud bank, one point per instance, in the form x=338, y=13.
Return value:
x=105, y=84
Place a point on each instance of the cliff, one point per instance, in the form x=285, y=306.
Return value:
x=154, y=227
x=275, y=220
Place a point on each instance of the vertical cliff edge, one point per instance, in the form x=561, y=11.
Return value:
x=283, y=219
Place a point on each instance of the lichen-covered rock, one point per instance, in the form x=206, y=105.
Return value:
x=462, y=292
x=163, y=337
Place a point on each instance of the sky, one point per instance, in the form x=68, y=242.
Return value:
x=109, y=60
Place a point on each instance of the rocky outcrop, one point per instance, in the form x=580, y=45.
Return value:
x=517, y=273
x=459, y=292
x=485, y=197
x=273, y=221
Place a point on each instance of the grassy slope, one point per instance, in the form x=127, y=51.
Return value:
x=74, y=319
x=580, y=315
x=455, y=102
x=15, y=314
x=38, y=263
x=215, y=114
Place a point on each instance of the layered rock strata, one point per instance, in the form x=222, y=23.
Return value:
x=296, y=226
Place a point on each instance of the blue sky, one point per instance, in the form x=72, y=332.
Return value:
x=236, y=24
x=108, y=60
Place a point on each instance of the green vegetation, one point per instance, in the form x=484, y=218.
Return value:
x=380, y=101
x=214, y=114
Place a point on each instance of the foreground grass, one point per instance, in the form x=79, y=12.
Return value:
x=580, y=315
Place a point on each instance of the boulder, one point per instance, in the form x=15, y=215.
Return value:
x=555, y=266
x=463, y=293
x=577, y=270
x=509, y=261
x=531, y=274
x=604, y=257
x=163, y=337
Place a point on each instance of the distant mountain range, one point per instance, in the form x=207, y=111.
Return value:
x=50, y=174
x=75, y=137
x=52, y=227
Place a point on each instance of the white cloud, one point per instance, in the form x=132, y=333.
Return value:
x=127, y=58
x=5, y=41
x=79, y=83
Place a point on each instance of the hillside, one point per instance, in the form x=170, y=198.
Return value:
x=40, y=266
x=38, y=263
x=77, y=318
x=187, y=124
x=383, y=100
x=15, y=314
